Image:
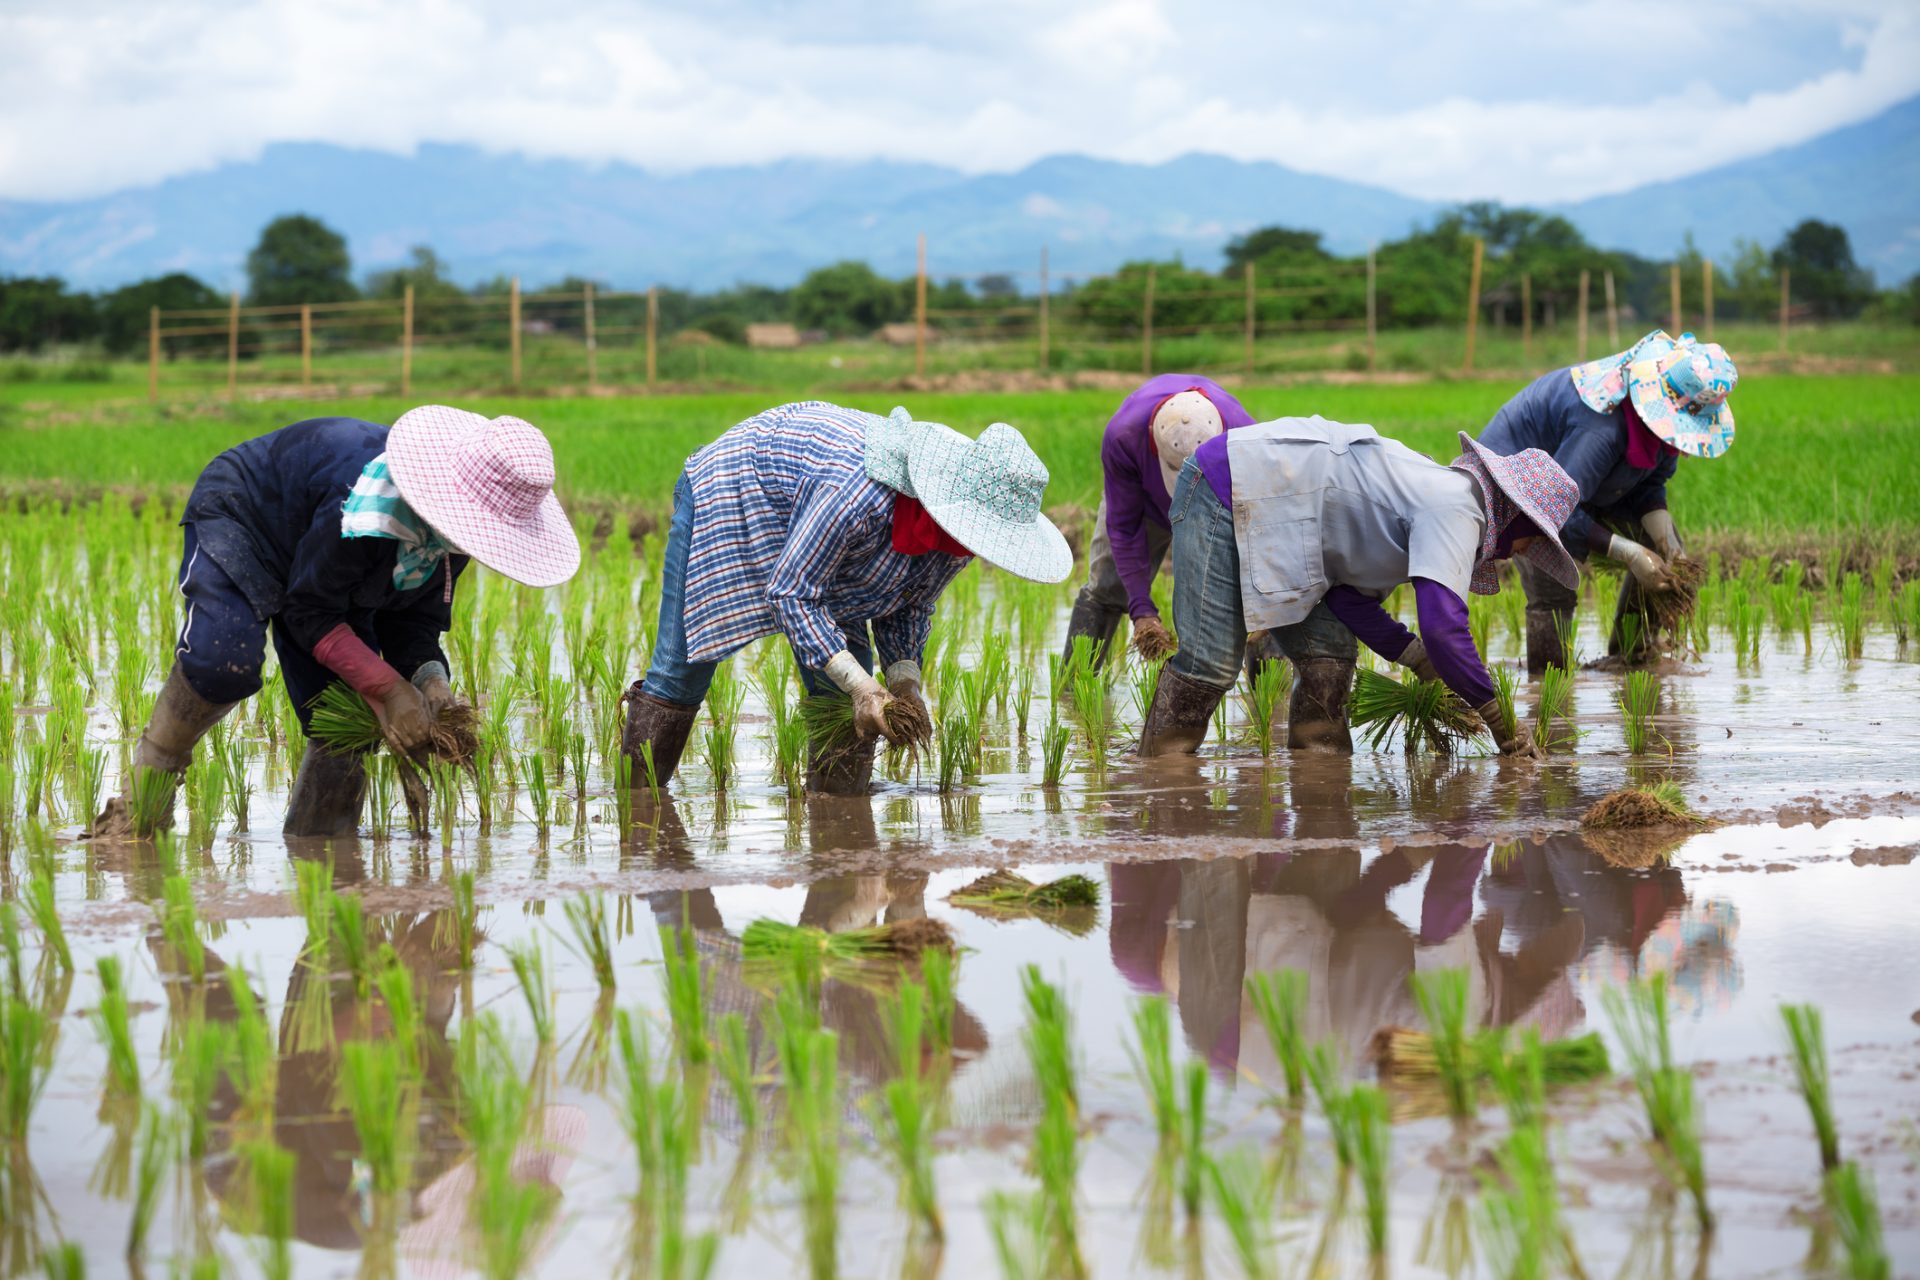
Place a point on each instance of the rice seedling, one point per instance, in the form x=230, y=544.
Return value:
x=66, y=1261
x=937, y=972
x=1669, y=612
x=1521, y=1228
x=495, y=1108
x=1242, y=1187
x=466, y=916
x=789, y=740
x=23, y=1065
x=1847, y=612
x=1639, y=1015
x=200, y=1057
x=1553, y=712
x=530, y=968
x=149, y=799
x=112, y=1021
x=587, y=921
x=1744, y=622
x=1056, y=1156
x=681, y=981
x=1604, y=588
x=1269, y=688
x=153, y=1155
x=828, y=718
x=43, y=910
x=1907, y=612
x=269, y=1169
x=1639, y=698
x=1023, y=694
x=12, y=951
x=347, y=940
x=1279, y=998
x=342, y=720
x=1506, y=687
x=254, y=1063
x=1145, y=682
x=182, y=928
x=765, y=940
x=1809, y=1049
x=1193, y=1138
x=376, y=1088
x=86, y=780
x=533, y=773
x=1442, y=997
x=1519, y=1075
x=1096, y=717
x=1054, y=741
x=1152, y=1054
x=1855, y=1210
x=1018, y=1226
x=724, y=699
x=313, y=894
x=395, y=983
x=1425, y=712
x=733, y=1054
x=1011, y=891
x=809, y=1066
x=1410, y=1056
x=1323, y=1073
x=904, y=1122
x=1372, y=1139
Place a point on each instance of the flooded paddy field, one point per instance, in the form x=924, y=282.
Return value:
x=1359, y=873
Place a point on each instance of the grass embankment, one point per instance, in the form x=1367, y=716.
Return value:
x=1823, y=466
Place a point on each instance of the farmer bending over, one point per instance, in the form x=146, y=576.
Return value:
x=1155, y=430
x=824, y=524
x=1304, y=525
x=1618, y=427
x=345, y=538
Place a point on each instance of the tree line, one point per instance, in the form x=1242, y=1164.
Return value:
x=1422, y=281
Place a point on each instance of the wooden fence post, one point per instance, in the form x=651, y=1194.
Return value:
x=1246, y=360
x=1146, y=327
x=920, y=307
x=153, y=355
x=406, y=341
x=1786, y=292
x=1613, y=317
x=306, y=347
x=1373, y=310
x=1706, y=295
x=1045, y=354
x=653, y=334
x=513, y=327
x=233, y=346
x=1580, y=328
x=1473, y=299
x=1673, y=288
x=1526, y=319
x=593, y=346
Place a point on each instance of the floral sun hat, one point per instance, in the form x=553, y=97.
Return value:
x=1528, y=483
x=1679, y=387
x=986, y=494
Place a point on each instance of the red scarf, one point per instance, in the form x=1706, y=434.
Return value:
x=1644, y=449
x=915, y=532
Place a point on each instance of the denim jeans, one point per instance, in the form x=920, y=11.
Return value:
x=1207, y=617
x=671, y=675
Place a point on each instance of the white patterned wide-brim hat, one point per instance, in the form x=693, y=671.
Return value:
x=986, y=494
x=486, y=486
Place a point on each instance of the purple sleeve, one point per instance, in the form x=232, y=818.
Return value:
x=1449, y=641
x=1126, y=521
x=1377, y=628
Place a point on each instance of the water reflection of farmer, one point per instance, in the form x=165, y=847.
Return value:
x=1148, y=439
x=344, y=538
x=1617, y=426
x=824, y=523
x=1304, y=526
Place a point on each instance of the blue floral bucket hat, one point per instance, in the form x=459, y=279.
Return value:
x=1678, y=386
x=986, y=494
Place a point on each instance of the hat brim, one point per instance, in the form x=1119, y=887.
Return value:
x=1698, y=435
x=1036, y=550
x=541, y=551
x=1548, y=554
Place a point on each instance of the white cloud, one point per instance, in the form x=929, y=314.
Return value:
x=1500, y=98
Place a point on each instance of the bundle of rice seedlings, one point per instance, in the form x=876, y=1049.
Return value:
x=829, y=721
x=1426, y=712
x=342, y=720
x=1009, y=891
x=1669, y=611
x=771, y=940
x=1658, y=804
x=1409, y=1055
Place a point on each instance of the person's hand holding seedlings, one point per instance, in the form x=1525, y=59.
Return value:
x=1645, y=564
x=1666, y=539
x=870, y=697
x=1151, y=639
x=1519, y=743
x=912, y=721
x=431, y=681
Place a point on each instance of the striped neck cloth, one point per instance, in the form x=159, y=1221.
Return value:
x=375, y=509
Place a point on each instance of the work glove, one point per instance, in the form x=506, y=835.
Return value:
x=1646, y=566
x=1151, y=639
x=431, y=681
x=911, y=715
x=404, y=720
x=1414, y=658
x=1666, y=539
x=1518, y=743
x=870, y=697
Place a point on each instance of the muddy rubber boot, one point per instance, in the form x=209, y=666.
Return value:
x=1544, y=647
x=1317, y=710
x=1177, y=720
x=841, y=771
x=180, y=718
x=327, y=793
x=666, y=725
x=1096, y=621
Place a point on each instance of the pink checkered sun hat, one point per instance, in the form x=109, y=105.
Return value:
x=1528, y=483
x=486, y=486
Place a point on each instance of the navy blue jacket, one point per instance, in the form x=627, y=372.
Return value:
x=1590, y=446
x=268, y=512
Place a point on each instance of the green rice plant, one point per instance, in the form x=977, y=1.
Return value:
x=529, y=963
x=1018, y=1227
x=466, y=917
x=937, y=973
x=1096, y=717
x=1605, y=591
x=733, y=1055
x=1809, y=1049
x=1553, y=723
x=1271, y=683
x=772, y=942
x=1054, y=741
x=254, y=1063
x=181, y=926
x=112, y=1021
x=377, y=1089
x=957, y=746
x=1424, y=712
x=1855, y=1210
x=587, y=921
x=1023, y=695
x=395, y=983
x=1880, y=600
x=13, y=951
x=682, y=984
x=724, y=698
x=150, y=799
x=383, y=788
x=66, y=1261
x=348, y=942
x=1521, y=1229
x=152, y=1156
x=1639, y=1015
x=1056, y=1155
x=1007, y=890
x=809, y=1066
x=789, y=742
x=1506, y=687
x=270, y=1168
x=1744, y=623
x=1152, y=1054
x=1372, y=1139
x=86, y=780
x=996, y=667
x=313, y=894
x=1639, y=698
x=1907, y=612
x=206, y=799
x=1519, y=1076
x=1279, y=998
x=496, y=1106
x=1242, y=1187
x=533, y=774
x=1323, y=1073
x=200, y=1058
x=905, y=1124
x=1847, y=614
x=1193, y=1138
x=44, y=911
x=1145, y=683
x=23, y=1065
x=1442, y=997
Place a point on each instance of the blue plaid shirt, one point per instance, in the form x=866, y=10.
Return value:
x=790, y=535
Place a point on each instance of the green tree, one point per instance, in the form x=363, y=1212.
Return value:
x=36, y=311
x=1825, y=277
x=440, y=306
x=850, y=298
x=125, y=313
x=1272, y=246
x=299, y=259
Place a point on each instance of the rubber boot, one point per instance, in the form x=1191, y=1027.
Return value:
x=1099, y=622
x=1317, y=710
x=1177, y=720
x=665, y=725
x=1545, y=648
x=327, y=793
x=841, y=771
x=180, y=718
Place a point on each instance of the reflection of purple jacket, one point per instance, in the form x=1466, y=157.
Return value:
x=1134, y=487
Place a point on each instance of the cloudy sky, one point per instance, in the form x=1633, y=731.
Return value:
x=1509, y=99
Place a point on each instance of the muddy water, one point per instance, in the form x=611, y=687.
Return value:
x=1361, y=872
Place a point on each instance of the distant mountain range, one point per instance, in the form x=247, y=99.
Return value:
x=490, y=215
